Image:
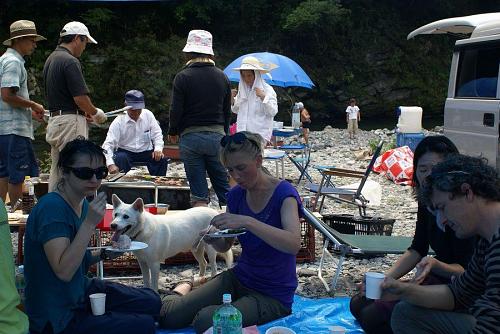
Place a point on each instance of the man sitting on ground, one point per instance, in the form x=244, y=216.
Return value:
x=135, y=139
x=465, y=194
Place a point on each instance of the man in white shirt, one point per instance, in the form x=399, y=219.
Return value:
x=135, y=139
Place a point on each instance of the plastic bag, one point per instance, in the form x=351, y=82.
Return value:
x=397, y=165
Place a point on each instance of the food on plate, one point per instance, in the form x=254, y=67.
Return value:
x=233, y=231
x=123, y=242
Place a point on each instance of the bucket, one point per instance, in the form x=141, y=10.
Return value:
x=410, y=119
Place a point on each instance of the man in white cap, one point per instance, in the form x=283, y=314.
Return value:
x=67, y=93
x=135, y=138
x=17, y=159
x=200, y=115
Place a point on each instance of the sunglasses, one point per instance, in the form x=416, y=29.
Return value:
x=86, y=173
x=238, y=138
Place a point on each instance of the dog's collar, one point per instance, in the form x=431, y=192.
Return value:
x=136, y=235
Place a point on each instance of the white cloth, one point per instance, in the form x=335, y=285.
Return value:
x=254, y=114
x=353, y=112
x=134, y=136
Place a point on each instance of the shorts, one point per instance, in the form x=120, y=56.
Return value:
x=306, y=125
x=17, y=158
x=352, y=126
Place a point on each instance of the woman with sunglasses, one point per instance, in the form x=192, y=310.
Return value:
x=58, y=232
x=263, y=282
x=452, y=253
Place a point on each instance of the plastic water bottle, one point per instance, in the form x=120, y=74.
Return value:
x=227, y=319
x=20, y=283
x=28, y=199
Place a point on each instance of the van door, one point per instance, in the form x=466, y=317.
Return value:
x=472, y=109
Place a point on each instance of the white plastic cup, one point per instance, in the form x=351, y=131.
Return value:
x=373, y=282
x=337, y=330
x=280, y=330
x=98, y=303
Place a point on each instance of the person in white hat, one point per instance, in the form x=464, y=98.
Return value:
x=67, y=93
x=200, y=115
x=255, y=101
x=17, y=159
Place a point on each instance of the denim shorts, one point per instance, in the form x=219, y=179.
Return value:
x=17, y=158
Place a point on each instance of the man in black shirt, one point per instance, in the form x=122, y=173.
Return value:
x=200, y=114
x=67, y=93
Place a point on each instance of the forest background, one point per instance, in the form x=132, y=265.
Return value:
x=349, y=48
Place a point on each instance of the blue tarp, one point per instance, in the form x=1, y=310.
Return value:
x=309, y=316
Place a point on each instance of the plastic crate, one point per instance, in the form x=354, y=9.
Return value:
x=350, y=224
x=125, y=263
x=409, y=139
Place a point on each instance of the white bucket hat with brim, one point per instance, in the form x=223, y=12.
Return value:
x=253, y=64
x=199, y=41
x=77, y=28
x=23, y=28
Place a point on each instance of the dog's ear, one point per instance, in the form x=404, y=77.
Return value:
x=138, y=205
x=116, y=200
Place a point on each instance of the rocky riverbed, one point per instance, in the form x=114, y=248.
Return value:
x=330, y=147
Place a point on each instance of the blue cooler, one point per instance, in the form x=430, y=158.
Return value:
x=409, y=139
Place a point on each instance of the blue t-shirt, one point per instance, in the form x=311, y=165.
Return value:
x=49, y=299
x=262, y=267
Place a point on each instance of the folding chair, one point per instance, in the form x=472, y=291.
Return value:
x=349, y=196
x=302, y=162
x=352, y=244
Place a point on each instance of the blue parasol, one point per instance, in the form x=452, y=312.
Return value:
x=287, y=74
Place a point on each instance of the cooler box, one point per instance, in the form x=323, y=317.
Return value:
x=409, y=139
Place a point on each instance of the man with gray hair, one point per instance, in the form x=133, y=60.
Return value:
x=67, y=93
x=17, y=159
x=464, y=192
x=200, y=115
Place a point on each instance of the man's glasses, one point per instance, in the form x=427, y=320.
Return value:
x=86, y=173
x=238, y=138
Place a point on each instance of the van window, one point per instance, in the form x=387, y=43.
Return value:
x=478, y=72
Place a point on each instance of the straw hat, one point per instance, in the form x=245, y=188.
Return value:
x=251, y=63
x=22, y=28
x=199, y=41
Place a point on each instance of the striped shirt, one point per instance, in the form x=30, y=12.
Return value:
x=478, y=288
x=14, y=120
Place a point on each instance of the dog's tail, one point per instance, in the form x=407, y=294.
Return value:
x=228, y=258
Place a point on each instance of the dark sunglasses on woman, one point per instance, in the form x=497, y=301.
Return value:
x=86, y=173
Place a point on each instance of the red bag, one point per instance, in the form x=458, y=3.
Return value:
x=396, y=164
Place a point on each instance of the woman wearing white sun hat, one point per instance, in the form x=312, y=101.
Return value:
x=255, y=102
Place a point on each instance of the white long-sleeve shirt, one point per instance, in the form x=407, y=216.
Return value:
x=255, y=115
x=135, y=136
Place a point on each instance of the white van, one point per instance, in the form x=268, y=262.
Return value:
x=472, y=109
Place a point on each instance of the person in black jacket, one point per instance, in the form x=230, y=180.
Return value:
x=452, y=253
x=200, y=115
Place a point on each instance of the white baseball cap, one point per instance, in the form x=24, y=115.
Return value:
x=77, y=28
x=199, y=41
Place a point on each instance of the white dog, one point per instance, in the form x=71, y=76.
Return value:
x=166, y=235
